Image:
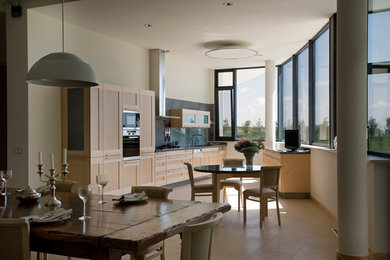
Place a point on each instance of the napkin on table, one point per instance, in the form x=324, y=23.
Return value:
x=132, y=197
x=51, y=215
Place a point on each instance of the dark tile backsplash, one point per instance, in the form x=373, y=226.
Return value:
x=185, y=136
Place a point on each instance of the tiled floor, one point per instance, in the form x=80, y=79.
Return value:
x=305, y=233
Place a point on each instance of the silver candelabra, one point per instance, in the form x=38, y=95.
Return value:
x=53, y=201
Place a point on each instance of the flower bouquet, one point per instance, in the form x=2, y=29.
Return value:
x=249, y=149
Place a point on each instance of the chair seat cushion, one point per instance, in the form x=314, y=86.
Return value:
x=237, y=184
x=255, y=192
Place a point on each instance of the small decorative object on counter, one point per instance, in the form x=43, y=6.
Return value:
x=249, y=149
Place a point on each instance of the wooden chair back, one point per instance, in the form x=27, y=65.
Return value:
x=152, y=191
x=14, y=239
x=233, y=162
x=190, y=174
x=67, y=186
x=196, y=239
x=270, y=177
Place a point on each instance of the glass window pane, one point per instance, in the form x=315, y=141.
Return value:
x=303, y=95
x=225, y=79
x=224, y=113
x=287, y=96
x=379, y=112
x=378, y=37
x=251, y=103
x=378, y=80
x=321, y=88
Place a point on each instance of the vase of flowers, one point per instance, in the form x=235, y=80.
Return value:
x=249, y=149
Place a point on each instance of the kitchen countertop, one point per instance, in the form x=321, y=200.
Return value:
x=190, y=147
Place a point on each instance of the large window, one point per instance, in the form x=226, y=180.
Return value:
x=251, y=103
x=287, y=95
x=303, y=94
x=306, y=90
x=240, y=99
x=321, y=88
x=378, y=80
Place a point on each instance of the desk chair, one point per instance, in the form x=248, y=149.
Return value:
x=269, y=188
x=196, y=239
x=14, y=239
x=156, y=249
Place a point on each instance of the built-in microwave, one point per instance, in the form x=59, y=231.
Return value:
x=131, y=119
x=131, y=135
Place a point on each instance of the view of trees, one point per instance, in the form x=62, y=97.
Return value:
x=253, y=131
x=378, y=138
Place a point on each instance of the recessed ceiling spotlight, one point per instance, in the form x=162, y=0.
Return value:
x=148, y=25
x=227, y=3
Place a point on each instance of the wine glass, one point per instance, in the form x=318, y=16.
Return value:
x=101, y=181
x=5, y=176
x=85, y=192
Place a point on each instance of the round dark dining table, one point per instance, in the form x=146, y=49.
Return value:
x=221, y=172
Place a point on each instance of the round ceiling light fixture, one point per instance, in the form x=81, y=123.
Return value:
x=231, y=53
x=227, y=3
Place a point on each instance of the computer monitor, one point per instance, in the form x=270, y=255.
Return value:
x=292, y=140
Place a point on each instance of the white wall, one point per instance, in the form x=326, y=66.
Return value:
x=114, y=61
x=323, y=171
x=188, y=81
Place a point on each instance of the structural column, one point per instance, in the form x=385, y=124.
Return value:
x=351, y=129
x=270, y=104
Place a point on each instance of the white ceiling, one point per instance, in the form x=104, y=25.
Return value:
x=275, y=28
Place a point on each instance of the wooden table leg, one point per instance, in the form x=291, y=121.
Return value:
x=215, y=184
x=107, y=254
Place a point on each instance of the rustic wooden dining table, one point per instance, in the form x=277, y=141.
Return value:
x=114, y=230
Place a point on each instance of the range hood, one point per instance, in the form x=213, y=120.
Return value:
x=157, y=81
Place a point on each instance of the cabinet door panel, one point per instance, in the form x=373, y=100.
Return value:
x=96, y=121
x=147, y=140
x=130, y=174
x=146, y=170
x=130, y=99
x=112, y=120
x=112, y=168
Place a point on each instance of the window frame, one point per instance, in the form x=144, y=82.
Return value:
x=331, y=25
x=233, y=94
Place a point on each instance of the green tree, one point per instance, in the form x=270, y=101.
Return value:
x=388, y=125
x=246, y=127
x=372, y=127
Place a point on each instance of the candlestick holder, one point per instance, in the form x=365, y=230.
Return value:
x=53, y=201
x=64, y=170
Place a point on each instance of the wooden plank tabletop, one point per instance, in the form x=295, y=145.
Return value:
x=128, y=227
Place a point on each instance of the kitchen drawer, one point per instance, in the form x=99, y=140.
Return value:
x=160, y=180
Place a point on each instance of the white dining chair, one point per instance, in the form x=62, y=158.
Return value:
x=196, y=239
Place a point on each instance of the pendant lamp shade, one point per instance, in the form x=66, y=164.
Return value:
x=62, y=69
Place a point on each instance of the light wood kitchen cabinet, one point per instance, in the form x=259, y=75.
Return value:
x=130, y=99
x=146, y=169
x=190, y=118
x=203, y=119
x=176, y=169
x=112, y=120
x=96, y=168
x=130, y=174
x=295, y=173
x=160, y=168
x=112, y=169
x=147, y=121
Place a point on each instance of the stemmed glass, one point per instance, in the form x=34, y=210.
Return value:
x=85, y=192
x=5, y=176
x=101, y=181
